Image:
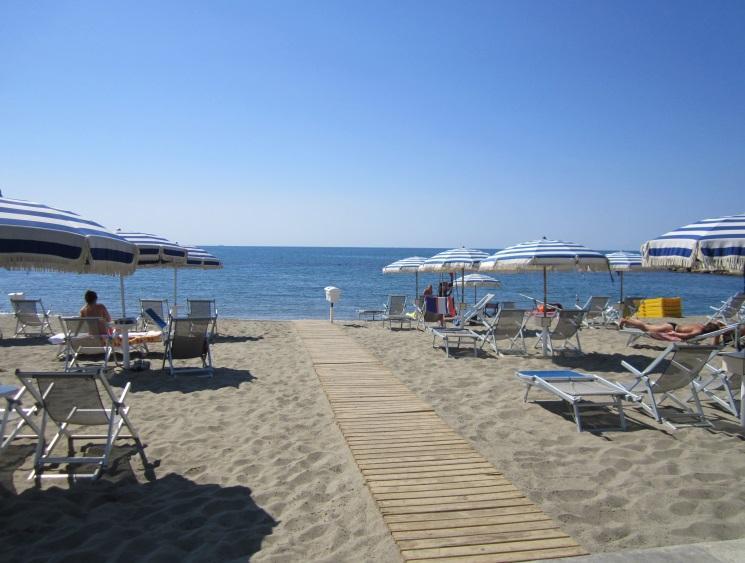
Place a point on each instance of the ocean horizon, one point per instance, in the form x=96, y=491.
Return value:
x=287, y=282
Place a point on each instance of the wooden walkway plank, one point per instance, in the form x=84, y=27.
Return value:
x=440, y=498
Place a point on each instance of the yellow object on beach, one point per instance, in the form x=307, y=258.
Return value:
x=661, y=307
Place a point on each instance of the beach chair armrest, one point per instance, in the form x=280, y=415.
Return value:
x=120, y=400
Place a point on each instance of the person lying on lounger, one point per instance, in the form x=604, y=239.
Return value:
x=674, y=332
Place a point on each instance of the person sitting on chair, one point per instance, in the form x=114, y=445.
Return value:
x=674, y=332
x=93, y=308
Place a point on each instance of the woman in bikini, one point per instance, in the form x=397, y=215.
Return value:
x=674, y=332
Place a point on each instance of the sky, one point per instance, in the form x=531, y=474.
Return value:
x=407, y=124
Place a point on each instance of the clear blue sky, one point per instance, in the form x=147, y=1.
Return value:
x=377, y=123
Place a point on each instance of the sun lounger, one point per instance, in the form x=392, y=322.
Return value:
x=71, y=400
x=14, y=415
x=567, y=327
x=674, y=369
x=722, y=385
x=731, y=310
x=456, y=335
x=580, y=390
x=82, y=336
x=395, y=311
x=509, y=325
x=30, y=314
x=595, y=311
x=203, y=308
x=634, y=334
x=475, y=312
x=188, y=338
x=157, y=306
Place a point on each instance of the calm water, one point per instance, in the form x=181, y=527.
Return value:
x=287, y=283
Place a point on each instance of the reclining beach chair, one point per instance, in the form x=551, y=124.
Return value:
x=476, y=311
x=71, y=400
x=567, y=327
x=83, y=336
x=509, y=325
x=635, y=334
x=203, y=308
x=14, y=416
x=30, y=313
x=395, y=311
x=731, y=310
x=580, y=390
x=675, y=368
x=188, y=338
x=423, y=316
x=595, y=311
x=722, y=385
x=159, y=306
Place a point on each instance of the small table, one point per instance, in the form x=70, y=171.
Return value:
x=370, y=314
x=457, y=334
x=123, y=326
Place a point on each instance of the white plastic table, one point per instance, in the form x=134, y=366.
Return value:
x=123, y=326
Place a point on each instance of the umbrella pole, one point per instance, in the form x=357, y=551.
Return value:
x=621, y=274
x=416, y=295
x=175, y=293
x=544, y=333
x=121, y=291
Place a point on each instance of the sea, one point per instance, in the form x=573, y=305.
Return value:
x=260, y=282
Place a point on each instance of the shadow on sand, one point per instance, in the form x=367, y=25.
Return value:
x=119, y=518
x=159, y=381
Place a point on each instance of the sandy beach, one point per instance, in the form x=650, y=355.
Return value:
x=252, y=464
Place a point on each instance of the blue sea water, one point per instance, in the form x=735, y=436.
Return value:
x=288, y=282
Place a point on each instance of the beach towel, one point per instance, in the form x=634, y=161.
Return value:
x=156, y=318
x=438, y=305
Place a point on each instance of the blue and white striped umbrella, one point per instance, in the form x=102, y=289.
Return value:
x=477, y=280
x=37, y=237
x=624, y=261
x=546, y=255
x=200, y=258
x=155, y=251
x=453, y=260
x=711, y=244
x=407, y=266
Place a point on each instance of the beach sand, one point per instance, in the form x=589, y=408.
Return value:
x=251, y=463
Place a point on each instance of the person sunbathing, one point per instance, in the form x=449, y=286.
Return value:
x=674, y=332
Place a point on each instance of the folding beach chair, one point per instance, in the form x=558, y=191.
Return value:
x=567, y=327
x=580, y=390
x=84, y=335
x=476, y=311
x=203, y=308
x=395, y=311
x=14, y=415
x=188, y=338
x=731, y=310
x=71, y=400
x=509, y=325
x=595, y=311
x=158, y=306
x=423, y=315
x=675, y=368
x=722, y=385
x=30, y=313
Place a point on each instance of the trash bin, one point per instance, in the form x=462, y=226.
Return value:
x=333, y=294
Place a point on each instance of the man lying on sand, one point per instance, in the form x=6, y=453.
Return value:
x=674, y=332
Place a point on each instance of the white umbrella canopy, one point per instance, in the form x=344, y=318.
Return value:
x=196, y=259
x=476, y=281
x=546, y=255
x=716, y=244
x=463, y=259
x=34, y=236
x=621, y=262
x=406, y=266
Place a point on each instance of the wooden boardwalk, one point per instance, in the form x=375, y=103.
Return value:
x=441, y=500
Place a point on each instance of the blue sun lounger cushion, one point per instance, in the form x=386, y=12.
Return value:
x=156, y=318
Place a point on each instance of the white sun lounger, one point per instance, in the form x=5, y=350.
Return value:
x=30, y=314
x=456, y=335
x=580, y=390
x=395, y=311
x=674, y=369
x=595, y=311
x=731, y=310
x=71, y=400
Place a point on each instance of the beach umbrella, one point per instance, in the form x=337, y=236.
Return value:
x=711, y=245
x=154, y=252
x=463, y=259
x=38, y=237
x=621, y=262
x=477, y=280
x=197, y=259
x=546, y=255
x=407, y=266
